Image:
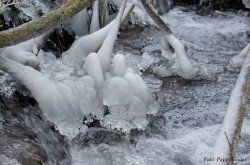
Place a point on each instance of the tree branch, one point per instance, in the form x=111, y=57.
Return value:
x=157, y=19
x=39, y=26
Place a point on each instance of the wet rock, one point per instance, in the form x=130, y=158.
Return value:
x=248, y=34
x=162, y=6
x=246, y=3
x=25, y=136
x=204, y=9
x=98, y=136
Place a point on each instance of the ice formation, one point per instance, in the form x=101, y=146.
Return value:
x=79, y=23
x=119, y=65
x=66, y=101
x=233, y=115
x=94, y=69
x=238, y=60
x=84, y=45
x=24, y=53
x=95, y=25
x=105, y=51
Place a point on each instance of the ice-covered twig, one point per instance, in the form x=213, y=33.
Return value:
x=234, y=117
x=188, y=71
x=103, y=12
x=238, y=60
x=95, y=25
x=105, y=52
x=25, y=53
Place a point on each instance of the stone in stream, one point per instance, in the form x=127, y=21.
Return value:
x=25, y=137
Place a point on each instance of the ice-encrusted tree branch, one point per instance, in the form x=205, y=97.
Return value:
x=188, y=70
x=38, y=26
x=234, y=117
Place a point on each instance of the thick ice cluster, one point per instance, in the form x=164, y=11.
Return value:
x=83, y=82
x=126, y=95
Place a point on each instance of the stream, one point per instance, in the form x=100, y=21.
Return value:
x=184, y=130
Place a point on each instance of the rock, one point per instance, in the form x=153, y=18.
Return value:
x=246, y=3
x=162, y=6
x=25, y=137
x=98, y=136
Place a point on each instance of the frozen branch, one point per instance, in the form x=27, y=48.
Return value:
x=41, y=25
x=187, y=69
x=234, y=117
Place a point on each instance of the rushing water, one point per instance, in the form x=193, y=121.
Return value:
x=191, y=113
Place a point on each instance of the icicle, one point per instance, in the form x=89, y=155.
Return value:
x=116, y=91
x=105, y=52
x=119, y=65
x=187, y=69
x=95, y=25
x=138, y=85
x=84, y=45
x=166, y=50
x=80, y=23
x=93, y=67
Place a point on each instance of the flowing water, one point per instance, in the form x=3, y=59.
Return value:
x=191, y=111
